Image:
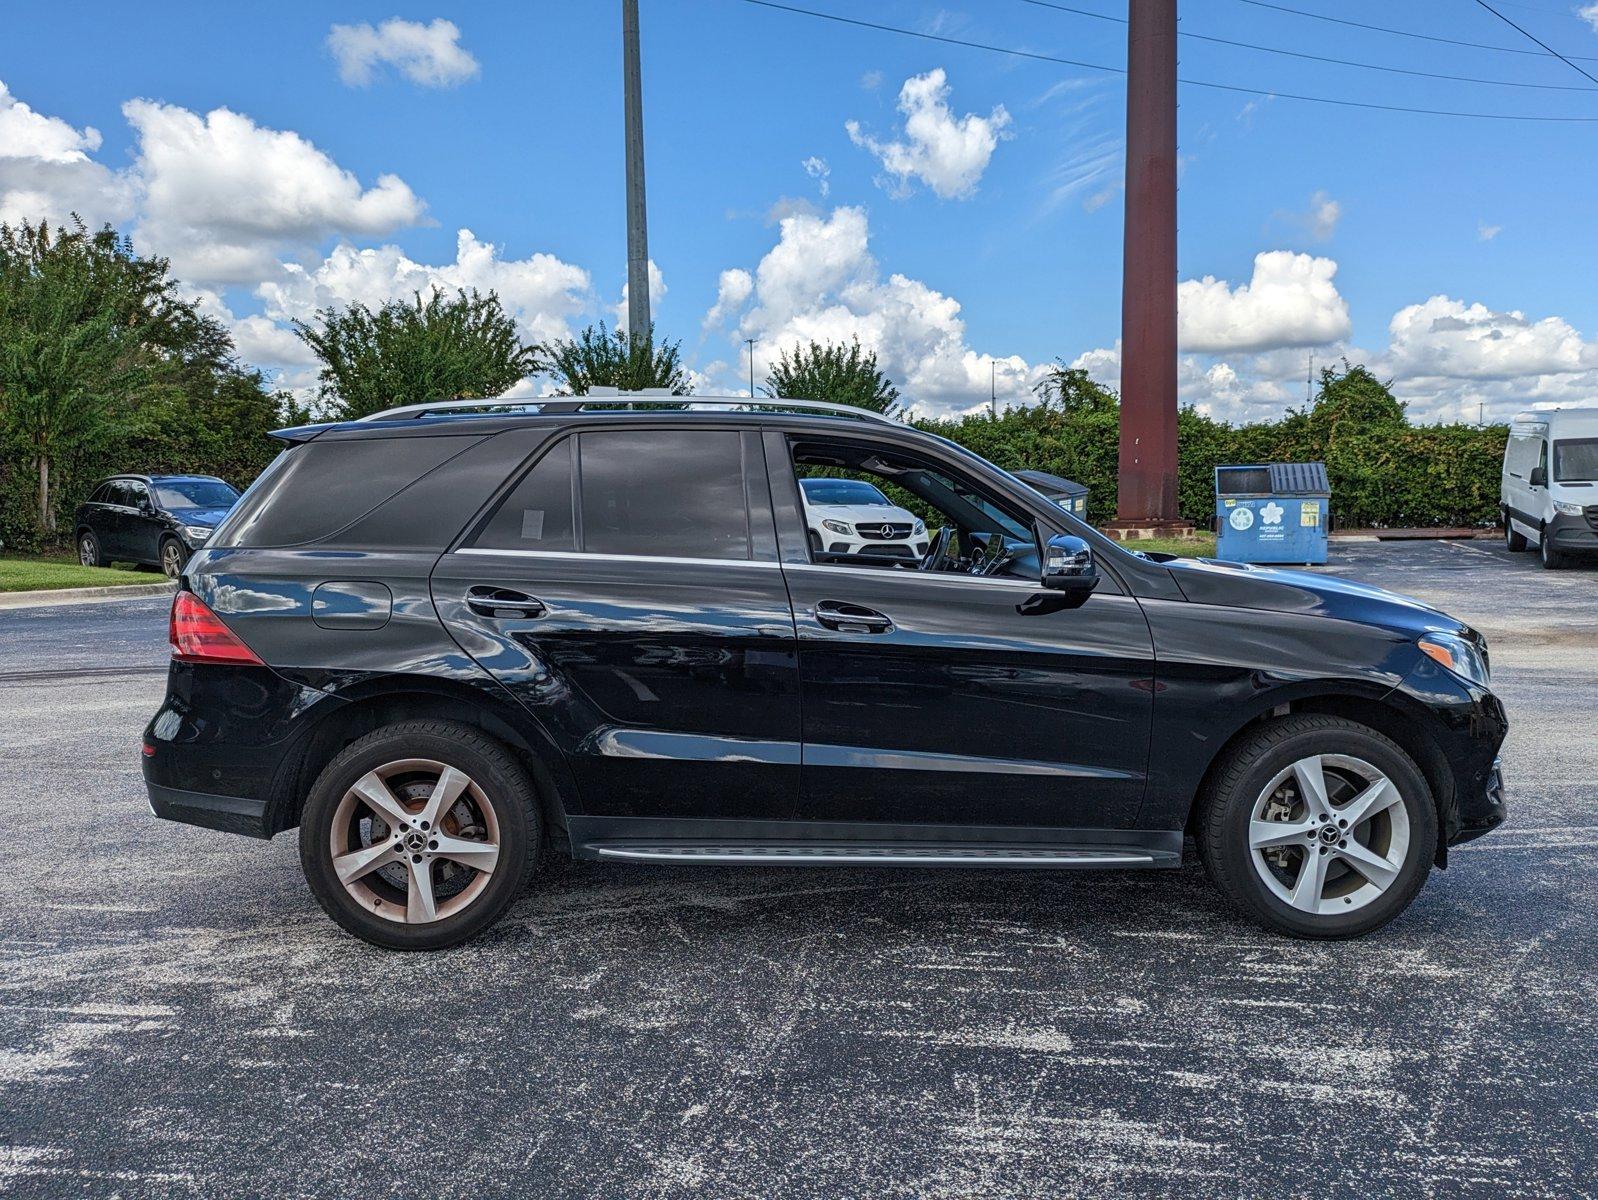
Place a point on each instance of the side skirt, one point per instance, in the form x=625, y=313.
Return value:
x=804, y=843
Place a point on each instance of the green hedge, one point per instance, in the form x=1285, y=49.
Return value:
x=1384, y=471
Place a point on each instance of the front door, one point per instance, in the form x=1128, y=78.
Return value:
x=941, y=698
x=626, y=590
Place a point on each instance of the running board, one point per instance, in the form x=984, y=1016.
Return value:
x=921, y=855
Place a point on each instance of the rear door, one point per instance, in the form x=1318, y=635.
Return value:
x=114, y=521
x=626, y=589
x=142, y=530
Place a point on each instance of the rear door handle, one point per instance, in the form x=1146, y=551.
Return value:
x=501, y=602
x=852, y=618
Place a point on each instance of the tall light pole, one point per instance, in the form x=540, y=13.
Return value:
x=637, y=224
x=1147, y=494
x=750, y=342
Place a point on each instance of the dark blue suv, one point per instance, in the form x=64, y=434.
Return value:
x=447, y=639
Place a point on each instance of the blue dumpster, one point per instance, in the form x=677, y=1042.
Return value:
x=1272, y=513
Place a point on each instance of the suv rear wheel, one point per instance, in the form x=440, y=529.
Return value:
x=1318, y=827
x=420, y=835
x=89, y=553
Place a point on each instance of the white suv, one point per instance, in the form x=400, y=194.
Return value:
x=850, y=516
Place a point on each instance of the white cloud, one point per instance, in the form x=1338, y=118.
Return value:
x=1589, y=14
x=541, y=293
x=1290, y=301
x=871, y=80
x=46, y=172
x=224, y=197
x=429, y=55
x=657, y=289
x=818, y=170
x=946, y=153
x=1321, y=220
x=821, y=283
x=1486, y=232
x=1448, y=338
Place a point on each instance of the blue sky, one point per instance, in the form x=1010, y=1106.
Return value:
x=960, y=213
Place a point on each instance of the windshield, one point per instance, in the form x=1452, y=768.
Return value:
x=195, y=493
x=1575, y=459
x=842, y=491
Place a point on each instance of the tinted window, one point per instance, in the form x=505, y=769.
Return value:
x=195, y=493
x=314, y=490
x=841, y=491
x=100, y=494
x=118, y=492
x=537, y=515
x=1575, y=459
x=674, y=493
x=138, y=494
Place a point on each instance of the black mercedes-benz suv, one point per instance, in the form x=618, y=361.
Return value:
x=447, y=639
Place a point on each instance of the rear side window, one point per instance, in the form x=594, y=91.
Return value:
x=314, y=490
x=101, y=494
x=646, y=492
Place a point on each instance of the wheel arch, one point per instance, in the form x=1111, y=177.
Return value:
x=374, y=704
x=1389, y=713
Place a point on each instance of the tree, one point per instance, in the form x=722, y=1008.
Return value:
x=1073, y=390
x=463, y=347
x=104, y=367
x=613, y=358
x=835, y=373
x=1354, y=395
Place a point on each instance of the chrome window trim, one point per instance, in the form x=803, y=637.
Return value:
x=939, y=576
x=583, y=555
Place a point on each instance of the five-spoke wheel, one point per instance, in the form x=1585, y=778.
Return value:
x=1318, y=826
x=419, y=834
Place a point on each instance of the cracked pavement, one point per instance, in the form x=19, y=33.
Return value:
x=177, y=1016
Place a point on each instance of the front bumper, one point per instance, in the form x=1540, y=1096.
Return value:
x=1487, y=812
x=1575, y=534
x=908, y=549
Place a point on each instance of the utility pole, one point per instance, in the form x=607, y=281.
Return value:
x=993, y=387
x=750, y=342
x=1309, y=381
x=1147, y=494
x=638, y=323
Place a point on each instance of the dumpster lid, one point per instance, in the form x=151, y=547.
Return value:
x=1053, y=485
x=1276, y=479
x=1300, y=479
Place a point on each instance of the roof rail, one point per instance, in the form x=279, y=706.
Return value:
x=613, y=399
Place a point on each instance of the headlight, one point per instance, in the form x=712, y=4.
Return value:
x=197, y=533
x=1569, y=507
x=842, y=527
x=920, y=529
x=1458, y=655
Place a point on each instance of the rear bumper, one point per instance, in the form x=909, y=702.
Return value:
x=231, y=814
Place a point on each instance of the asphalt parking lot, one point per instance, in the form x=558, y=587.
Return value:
x=178, y=1017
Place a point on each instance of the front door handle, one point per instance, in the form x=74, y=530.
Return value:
x=489, y=601
x=852, y=618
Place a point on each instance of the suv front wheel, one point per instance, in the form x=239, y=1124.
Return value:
x=1318, y=827
x=420, y=835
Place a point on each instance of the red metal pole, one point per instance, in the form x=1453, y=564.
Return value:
x=1148, y=297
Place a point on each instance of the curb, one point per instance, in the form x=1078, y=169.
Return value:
x=126, y=591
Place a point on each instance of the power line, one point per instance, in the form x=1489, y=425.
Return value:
x=1536, y=39
x=1425, y=37
x=1342, y=62
x=1205, y=83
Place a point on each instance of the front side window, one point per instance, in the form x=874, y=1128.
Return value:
x=642, y=492
x=1576, y=460
x=138, y=495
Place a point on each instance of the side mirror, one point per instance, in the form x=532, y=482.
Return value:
x=1068, y=566
x=1539, y=477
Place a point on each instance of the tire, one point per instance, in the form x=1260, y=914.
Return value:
x=1552, y=559
x=89, y=552
x=1397, y=843
x=1515, y=542
x=382, y=905
x=174, y=556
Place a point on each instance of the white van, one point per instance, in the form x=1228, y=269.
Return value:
x=1550, y=484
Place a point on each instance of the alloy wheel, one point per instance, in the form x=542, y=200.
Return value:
x=86, y=554
x=171, y=559
x=1329, y=834
x=415, y=841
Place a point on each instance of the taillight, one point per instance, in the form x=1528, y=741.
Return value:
x=199, y=636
